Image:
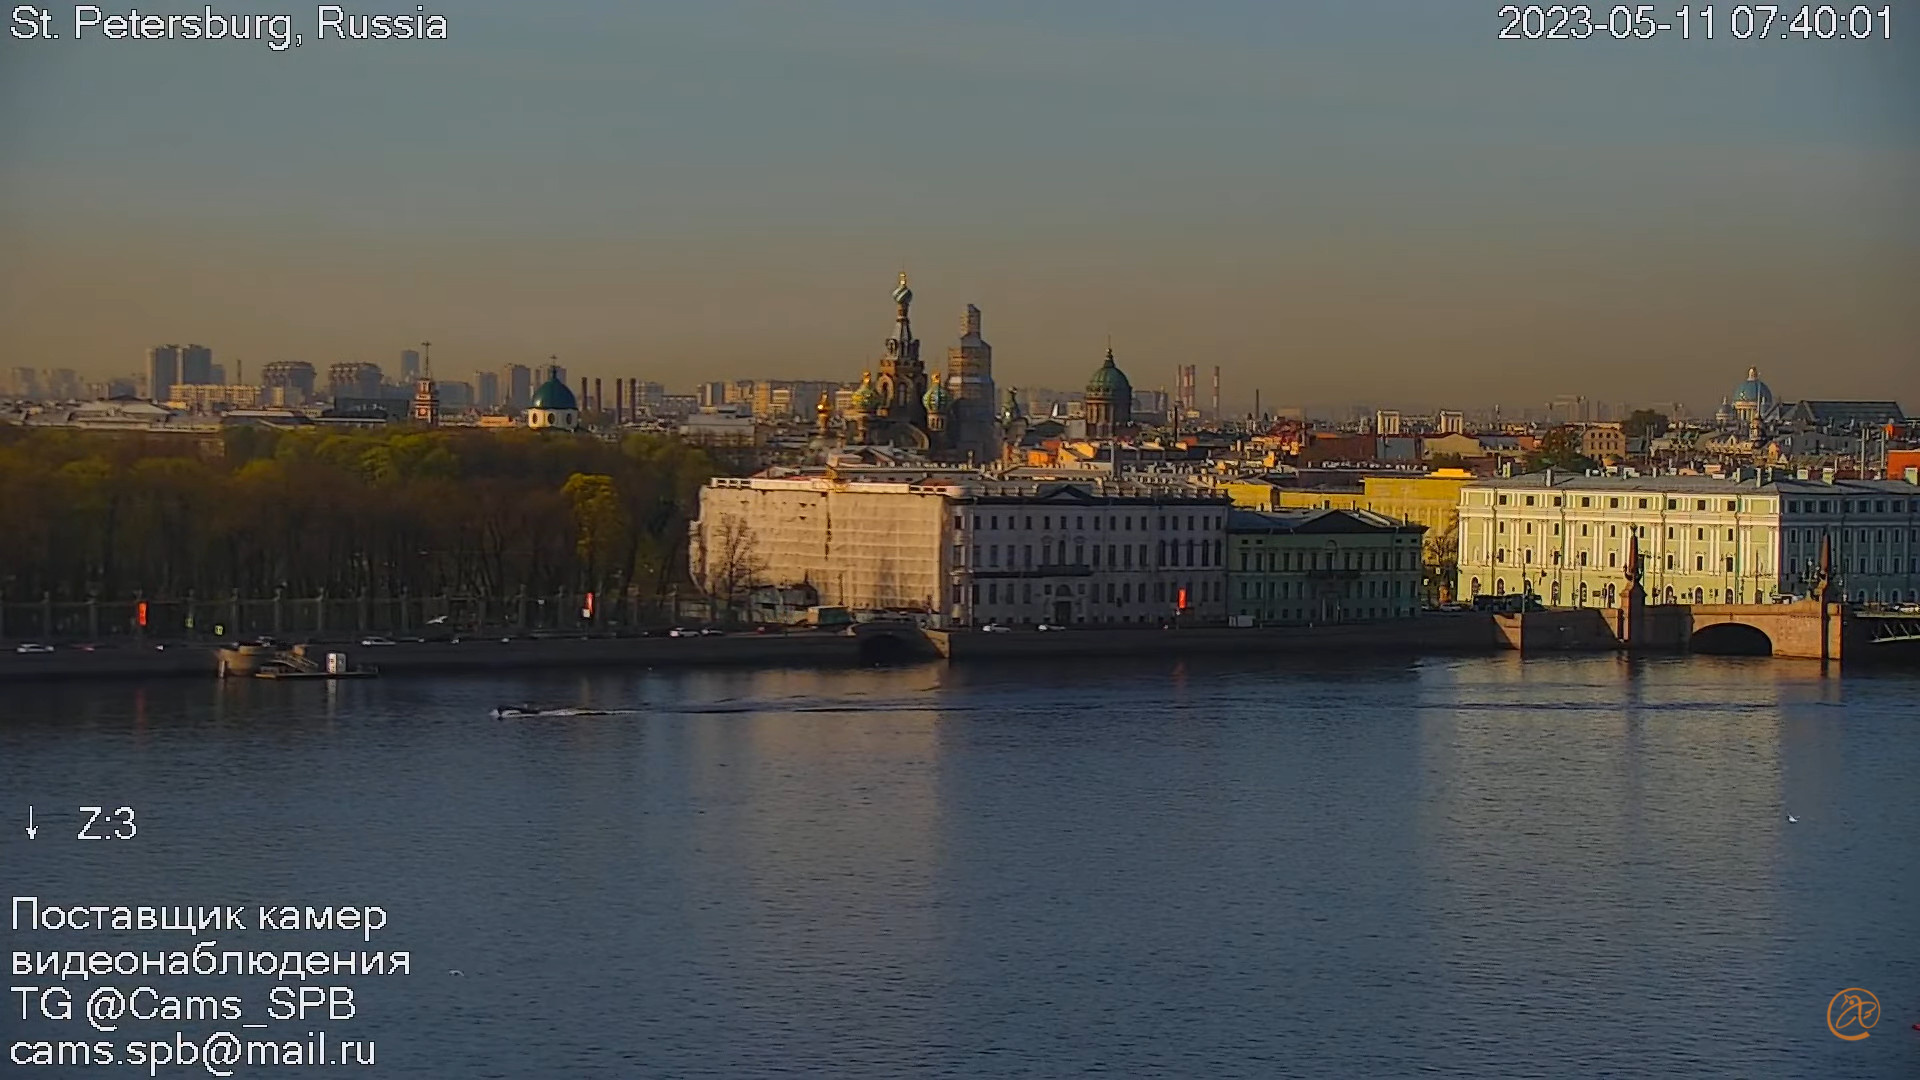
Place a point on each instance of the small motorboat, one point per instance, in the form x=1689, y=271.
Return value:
x=527, y=712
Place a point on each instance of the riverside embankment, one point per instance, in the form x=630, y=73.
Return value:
x=1437, y=634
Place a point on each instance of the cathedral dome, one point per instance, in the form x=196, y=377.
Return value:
x=1753, y=391
x=1108, y=381
x=866, y=399
x=937, y=398
x=553, y=394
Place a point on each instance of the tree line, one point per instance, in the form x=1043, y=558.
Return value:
x=486, y=513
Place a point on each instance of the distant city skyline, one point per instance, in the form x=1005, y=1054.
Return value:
x=1340, y=204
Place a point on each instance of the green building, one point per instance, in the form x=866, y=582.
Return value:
x=1321, y=566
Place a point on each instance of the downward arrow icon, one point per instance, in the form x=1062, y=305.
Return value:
x=32, y=829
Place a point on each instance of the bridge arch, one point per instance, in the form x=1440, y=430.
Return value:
x=1732, y=639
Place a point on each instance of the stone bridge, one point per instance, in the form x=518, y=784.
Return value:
x=1808, y=630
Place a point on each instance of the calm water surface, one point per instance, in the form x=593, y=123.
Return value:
x=1477, y=867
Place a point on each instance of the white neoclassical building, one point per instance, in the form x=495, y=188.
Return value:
x=1703, y=540
x=967, y=549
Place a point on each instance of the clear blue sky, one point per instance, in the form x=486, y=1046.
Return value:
x=1336, y=200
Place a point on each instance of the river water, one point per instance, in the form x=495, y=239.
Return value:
x=1458, y=867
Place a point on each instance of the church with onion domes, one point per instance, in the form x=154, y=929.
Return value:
x=947, y=416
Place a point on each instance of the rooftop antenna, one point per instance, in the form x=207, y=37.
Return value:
x=426, y=358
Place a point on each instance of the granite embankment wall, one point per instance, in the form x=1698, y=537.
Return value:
x=408, y=658
x=1435, y=634
x=1461, y=633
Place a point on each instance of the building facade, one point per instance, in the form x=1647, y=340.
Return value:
x=1322, y=566
x=1431, y=500
x=1703, y=540
x=966, y=550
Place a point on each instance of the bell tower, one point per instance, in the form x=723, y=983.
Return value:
x=903, y=379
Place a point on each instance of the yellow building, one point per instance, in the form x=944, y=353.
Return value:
x=1432, y=500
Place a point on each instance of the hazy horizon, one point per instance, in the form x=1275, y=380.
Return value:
x=1335, y=202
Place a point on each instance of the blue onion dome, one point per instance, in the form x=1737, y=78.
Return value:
x=937, y=398
x=866, y=399
x=1109, y=381
x=901, y=294
x=1753, y=390
x=553, y=394
x=1725, y=414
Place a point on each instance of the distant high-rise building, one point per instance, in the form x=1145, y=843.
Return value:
x=647, y=396
x=409, y=365
x=517, y=386
x=1386, y=422
x=486, y=389
x=287, y=382
x=196, y=364
x=24, y=382
x=219, y=375
x=163, y=370
x=353, y=379
x=1452, y=422
x=712, y=395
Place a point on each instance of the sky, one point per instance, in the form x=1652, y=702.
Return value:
x=1338, y=202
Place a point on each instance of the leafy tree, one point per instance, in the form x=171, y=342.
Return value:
x=489, y=514
x=1560, y=449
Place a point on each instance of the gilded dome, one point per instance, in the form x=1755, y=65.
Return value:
x=1108, y=381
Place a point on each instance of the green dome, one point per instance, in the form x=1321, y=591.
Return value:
x=553, y=394
x=1109, y=381
x=937, y=398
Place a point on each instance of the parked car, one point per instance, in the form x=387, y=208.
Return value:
x=32, y=647
x=1046, y=628
x=682, y=631
x=712, y=632
x=371, y=642
x=996, y=628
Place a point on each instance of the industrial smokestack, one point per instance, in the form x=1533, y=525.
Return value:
x=1216, y=391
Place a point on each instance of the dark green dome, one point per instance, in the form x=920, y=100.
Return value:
x=1109, y=381
x=553, y=394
